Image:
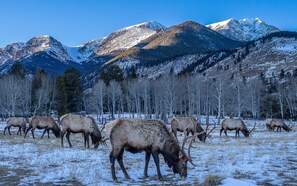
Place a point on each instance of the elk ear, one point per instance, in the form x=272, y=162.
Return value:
x=180, y=155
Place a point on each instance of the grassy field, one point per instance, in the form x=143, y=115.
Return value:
x=265, y=158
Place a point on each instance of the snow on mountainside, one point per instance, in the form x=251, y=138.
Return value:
x=243, y=30
x=128, y=37
x=44, y=43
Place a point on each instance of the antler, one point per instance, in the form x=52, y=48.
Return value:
x=207, y=133
x=102, y=141
x=190, y=144
x=253, y=128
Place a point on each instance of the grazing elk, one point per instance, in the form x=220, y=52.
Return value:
x=19, y=122
x=188, y=125
x=235, y=124
x=277, y=123
x=81, y=124
x=43, y=122
x=151, y=136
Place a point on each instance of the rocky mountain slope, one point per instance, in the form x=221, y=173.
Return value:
x=244, y=29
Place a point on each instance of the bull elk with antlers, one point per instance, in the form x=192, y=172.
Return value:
x=189, y=125
x=235, y=124
x=151, y=136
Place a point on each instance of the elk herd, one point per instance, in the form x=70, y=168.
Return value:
x=151, y=136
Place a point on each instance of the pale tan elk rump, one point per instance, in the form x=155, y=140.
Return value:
x=19, y=122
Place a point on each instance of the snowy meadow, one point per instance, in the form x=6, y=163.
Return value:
x=265, y=158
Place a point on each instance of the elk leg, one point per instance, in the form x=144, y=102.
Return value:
x=4, y=130
x=48, y=133
x=62, y=136
x=43, y=133
x=221, y=131
x=120, y=161
x=19, y=131
x=112, y=161
x=225, y=131
x=147, y=159
x=156, y=159
x=68, y=137
x=9, y=130
x=87, y=140
x=32, y=131
x=27, y=131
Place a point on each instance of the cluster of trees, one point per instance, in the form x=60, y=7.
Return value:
x=112, y=93
x=40, y=94
x=187, y=95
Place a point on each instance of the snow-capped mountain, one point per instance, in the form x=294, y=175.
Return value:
x=127, y=37
x=182, y=39
x=243, y=30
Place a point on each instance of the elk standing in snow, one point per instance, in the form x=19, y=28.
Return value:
x=188, y=125
x=151, y=136
x=72, y=123
x=19, y=122
x=235, y=124
x=43, y=122
x=277, y=123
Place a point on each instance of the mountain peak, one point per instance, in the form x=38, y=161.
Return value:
x=246, y=29
x=150, y=25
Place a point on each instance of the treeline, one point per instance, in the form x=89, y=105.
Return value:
x=112, y=93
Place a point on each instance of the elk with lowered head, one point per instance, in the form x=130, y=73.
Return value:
x=43, y=122
x=188, y=125
x=151, y=136
x=277, y=123
x=73, y=123
x=19, y=122
x=237, y=125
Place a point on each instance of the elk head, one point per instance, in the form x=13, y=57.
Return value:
x=181, y=166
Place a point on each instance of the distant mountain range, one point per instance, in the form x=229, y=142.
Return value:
x=150, y=47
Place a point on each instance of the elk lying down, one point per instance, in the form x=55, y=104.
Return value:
x=271, y=124
x=72, y=123
x=235, y=124
x=19, y=122
x=43, y=122
x=188, y=125
x=151, y=136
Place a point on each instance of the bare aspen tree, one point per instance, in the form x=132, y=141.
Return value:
x=43, y=95
x=99, y=92
x=114, y=92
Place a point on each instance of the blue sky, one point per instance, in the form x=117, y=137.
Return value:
x=75, y=21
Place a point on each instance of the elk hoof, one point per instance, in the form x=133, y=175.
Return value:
x=160, y=178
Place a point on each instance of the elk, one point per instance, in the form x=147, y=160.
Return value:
x=151, y=136
x=188, y=125
x=73, y=123
x=235, y=124
x=19, y=122
x=277, y=123
x=43, y=122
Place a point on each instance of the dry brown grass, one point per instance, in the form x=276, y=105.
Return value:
x=212, y=180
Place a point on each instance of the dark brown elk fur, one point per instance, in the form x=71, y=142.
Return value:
x=73, y=123
x=43, y=122
x=151, y=136
x=19, y=122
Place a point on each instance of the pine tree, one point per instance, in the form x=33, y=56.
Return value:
x=74, y=89
x=113, y=72
x=61, y=97
x=18, y=70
